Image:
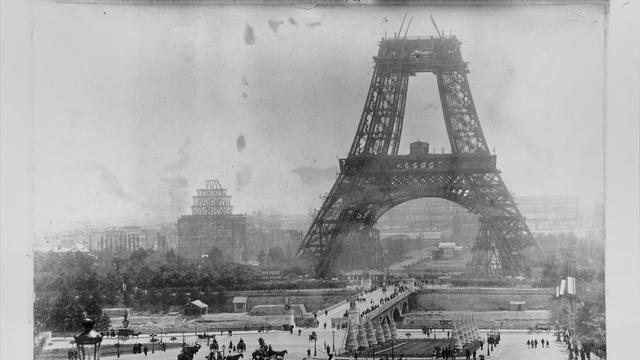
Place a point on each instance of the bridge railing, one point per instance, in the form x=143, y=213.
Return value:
x=384, y=307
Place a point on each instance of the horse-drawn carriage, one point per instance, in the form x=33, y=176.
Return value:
x=188, y=352
x=265, y=352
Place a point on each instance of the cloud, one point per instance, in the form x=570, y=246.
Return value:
x=108, y=180
x=311, y=175
x=249, y=35
x=293, y=21
x=274, y=25
x=314, y=24
x=240, y=143
x=176, y=184
x=176, y=191
x=182, y=160
x=243, y=176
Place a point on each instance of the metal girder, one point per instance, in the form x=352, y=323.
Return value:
x=374, y=179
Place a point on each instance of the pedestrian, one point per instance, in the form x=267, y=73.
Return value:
x=326, y=313
x=467, y=354
x=325, y=325
x=308, y=352
x=434, y=355
x=528, y=344
x=146, y=349
x=299, y=332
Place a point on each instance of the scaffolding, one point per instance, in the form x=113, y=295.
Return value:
x=212, y=200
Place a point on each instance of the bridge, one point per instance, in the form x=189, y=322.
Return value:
x=372, y=318
x=386, y=305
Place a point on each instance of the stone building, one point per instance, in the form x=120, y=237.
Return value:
x=212, y=224
x=121, y=241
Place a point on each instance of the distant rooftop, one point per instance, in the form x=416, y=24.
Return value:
x=198, y=303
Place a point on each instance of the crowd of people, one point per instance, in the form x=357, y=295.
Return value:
x=397, y=290
x=583, y=351
x=533, y=344
x=217, y=352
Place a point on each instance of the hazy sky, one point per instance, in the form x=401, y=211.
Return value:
x=135, y=106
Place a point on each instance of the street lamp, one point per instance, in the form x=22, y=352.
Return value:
x=88, y=341
x=333, y=340
x=392, y=346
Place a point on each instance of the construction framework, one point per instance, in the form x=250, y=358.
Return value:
x=374, y=178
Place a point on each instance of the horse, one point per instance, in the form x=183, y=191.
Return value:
x=234, y=357
x=241, y=346
x=257, y=355
x=188, y=352
x=277, y=354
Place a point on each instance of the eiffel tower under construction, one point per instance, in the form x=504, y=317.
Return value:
x=374, y=178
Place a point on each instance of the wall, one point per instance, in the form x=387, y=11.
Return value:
x=313, y=300
x=479, y=299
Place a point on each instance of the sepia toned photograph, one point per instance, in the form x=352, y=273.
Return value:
x=319, y=180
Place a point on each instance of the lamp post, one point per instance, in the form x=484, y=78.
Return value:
x=392, y=349
x=88, y=341
x=315, y=341
x=333, y=340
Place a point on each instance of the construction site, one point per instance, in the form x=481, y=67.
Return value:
x=212, y=224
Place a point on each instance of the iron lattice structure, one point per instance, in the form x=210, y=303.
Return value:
x=212, y=200
x=374, y=178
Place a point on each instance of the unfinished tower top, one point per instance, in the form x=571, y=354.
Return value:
x=212, y=200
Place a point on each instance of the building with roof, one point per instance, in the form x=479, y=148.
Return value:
x=240, y=304
x=121, y=240
x=195, y=308
x=447, y=251
x=355, y=277
x=212, y=224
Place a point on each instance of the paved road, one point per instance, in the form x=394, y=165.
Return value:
x=512, y=346
x=296, y=346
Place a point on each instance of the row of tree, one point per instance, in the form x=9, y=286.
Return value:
x=68, y=283
x=583, y=259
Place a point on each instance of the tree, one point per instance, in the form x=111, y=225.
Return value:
x=215, y=255
x=172, y=257
x=276, y=255
x=94, y=311
x=261, y=256
x=139, y=256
